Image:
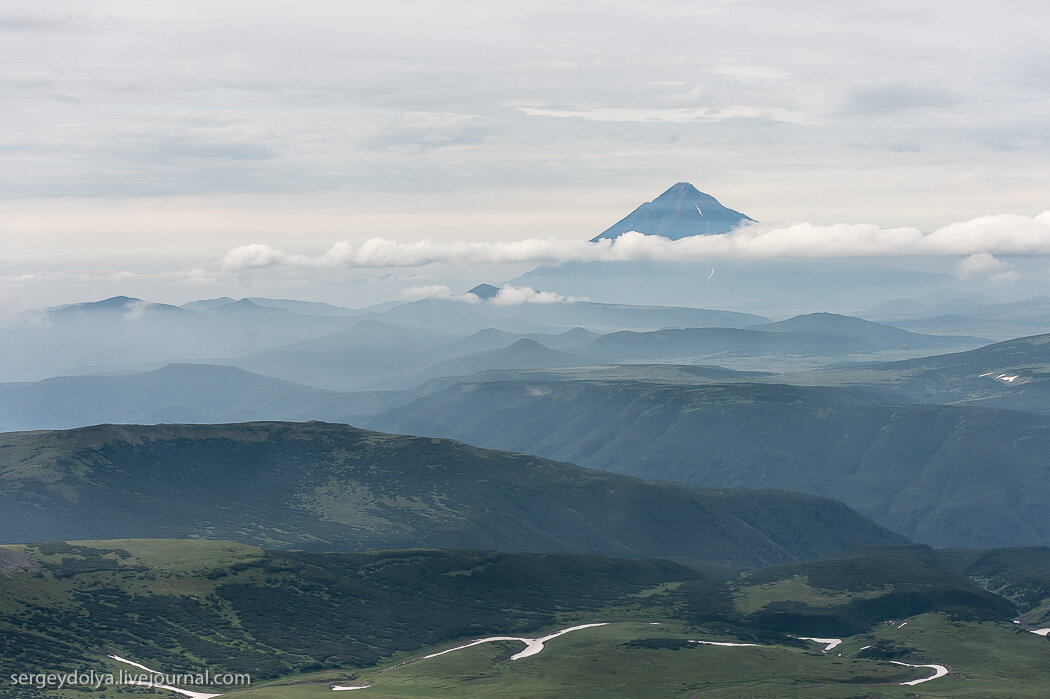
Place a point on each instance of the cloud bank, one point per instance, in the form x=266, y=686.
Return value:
x=507, y=296
x=990, y=236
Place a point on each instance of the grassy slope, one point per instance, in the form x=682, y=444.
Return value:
x=178, y=605
x=182, y=605
x=323, y=486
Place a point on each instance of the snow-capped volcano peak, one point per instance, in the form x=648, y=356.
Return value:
x=680, y=212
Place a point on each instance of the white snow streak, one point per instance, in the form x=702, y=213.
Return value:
x=532, y=645
x=722, y=643
x=829, y=643
x=938, y=671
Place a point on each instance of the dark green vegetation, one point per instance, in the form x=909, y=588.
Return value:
x=1021, y=575
x=184, y=605
x=324, y=486
x=943, y=475
x=193, y=604
x=848, y=595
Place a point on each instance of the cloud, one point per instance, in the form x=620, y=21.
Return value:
x=516, y=295
x=669, y=115
x=507, y=296
x=1004, y=234
x=135, y=310
x=980, y=264
x=437, y=291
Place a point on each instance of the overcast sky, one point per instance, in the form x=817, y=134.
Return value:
x=143, y=141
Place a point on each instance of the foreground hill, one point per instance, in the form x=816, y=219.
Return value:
x=319, y=620
x=254, y=617
x=943, y=475
x=325, y=486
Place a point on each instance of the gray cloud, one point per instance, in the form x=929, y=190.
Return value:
x=978, y=240
x=896, y=112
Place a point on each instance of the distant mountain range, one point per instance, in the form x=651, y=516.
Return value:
x=1014, y=374
x=324, y=486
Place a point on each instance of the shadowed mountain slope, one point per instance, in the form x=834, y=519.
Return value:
x=943, y=475
x=324, y=486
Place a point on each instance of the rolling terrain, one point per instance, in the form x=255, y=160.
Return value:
x=942, y=475
x=402, y=622
x=323, y=486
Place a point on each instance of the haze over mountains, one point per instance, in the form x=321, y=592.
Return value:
x=792, y=468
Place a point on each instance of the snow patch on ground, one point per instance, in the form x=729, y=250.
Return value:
x=723, y=643
x=829, y=643
x=532, y=645
x=938, y=671
x=143, y=683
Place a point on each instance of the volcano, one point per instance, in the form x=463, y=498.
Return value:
x=680, y=212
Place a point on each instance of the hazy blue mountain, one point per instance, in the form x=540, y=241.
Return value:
x=875, y=335
x=683, y=344
x=373, y=333
x=1000, y=321
x=124, y=332
x=207, y=304
x=307, y=308
x=927, y=307
x=523, y=354
x=943, y=475
x=485, y=291
x=117, y=305
x=324, y=486
x=778, y=287
x=1014, y=374
x=491, y=338
x=680, y=212
x=174, y=393
x=371, y=355
x=551, y=318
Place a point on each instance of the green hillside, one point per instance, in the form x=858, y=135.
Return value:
x=942, y=475
x=171, y=603
x=302, y=622
x=324, y=486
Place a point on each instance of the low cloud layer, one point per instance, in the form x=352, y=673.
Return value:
x=981, y=240
x=507, y=296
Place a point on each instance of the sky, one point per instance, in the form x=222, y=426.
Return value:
x=175, y=151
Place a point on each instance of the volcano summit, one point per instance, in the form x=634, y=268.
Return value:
x=680, y=212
